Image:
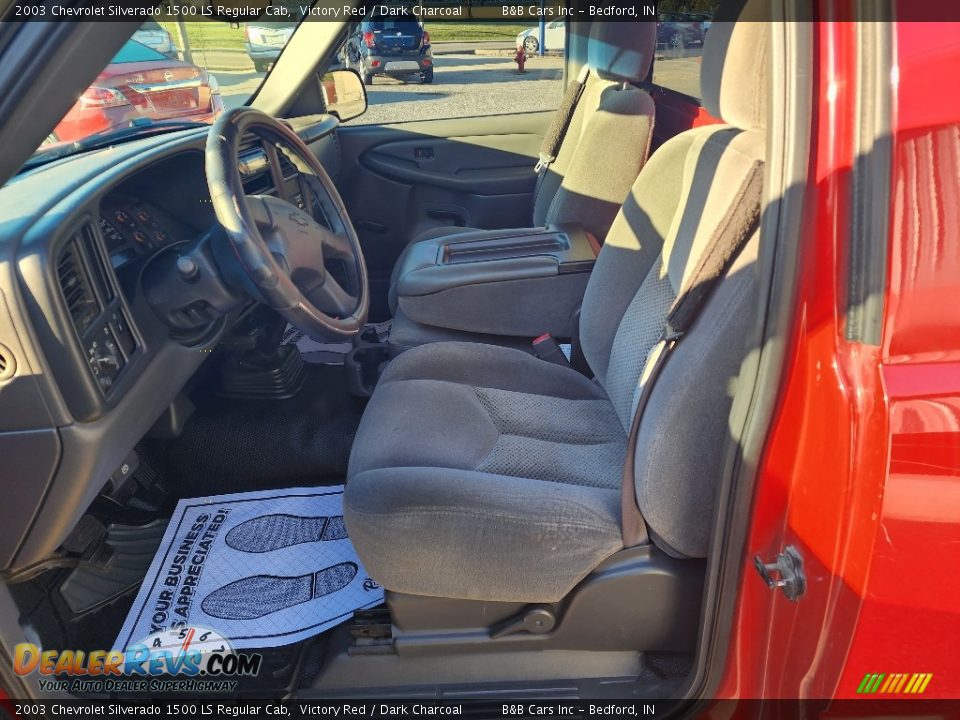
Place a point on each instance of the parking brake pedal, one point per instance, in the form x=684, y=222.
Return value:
x=536, y=620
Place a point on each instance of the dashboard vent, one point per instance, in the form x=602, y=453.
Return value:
x=287, y=168
x=254, y=165
x=75, y=284
x=252, y=159
x=97, y=264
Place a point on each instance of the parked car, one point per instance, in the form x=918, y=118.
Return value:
x=264, y=42
x=705, y=19
x=394, y=47
x=679, y=30
x=155, y=37
x=141, y=83
x=554, y=37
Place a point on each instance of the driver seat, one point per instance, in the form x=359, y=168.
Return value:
x=482, y=473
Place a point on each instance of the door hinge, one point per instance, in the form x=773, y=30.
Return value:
x=786, y=573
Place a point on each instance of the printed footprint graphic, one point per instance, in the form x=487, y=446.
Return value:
x=273, y=532
x=258, y=595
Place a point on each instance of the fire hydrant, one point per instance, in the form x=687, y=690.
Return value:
x=520, y=58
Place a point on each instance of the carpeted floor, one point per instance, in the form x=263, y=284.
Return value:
x=238, y=445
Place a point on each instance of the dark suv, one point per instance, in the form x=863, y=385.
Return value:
x=394, y=46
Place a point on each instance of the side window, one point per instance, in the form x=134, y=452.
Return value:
x=680, y=39
x=422, y=70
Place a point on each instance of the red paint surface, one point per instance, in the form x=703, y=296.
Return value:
x=862, y=467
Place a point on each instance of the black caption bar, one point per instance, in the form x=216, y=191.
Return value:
x=342, y=709
x=285, y=11
x=754, y=709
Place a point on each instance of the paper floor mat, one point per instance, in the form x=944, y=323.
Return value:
x=264, y=569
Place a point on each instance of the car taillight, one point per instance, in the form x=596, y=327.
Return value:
x=369, y=40
x=101, y=97
x=426, y=38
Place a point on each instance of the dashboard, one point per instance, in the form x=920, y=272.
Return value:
x=96, y=365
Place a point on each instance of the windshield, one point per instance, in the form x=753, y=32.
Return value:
x=170, y=73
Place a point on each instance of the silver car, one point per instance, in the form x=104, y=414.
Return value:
x=264, y=42
x=156, y=38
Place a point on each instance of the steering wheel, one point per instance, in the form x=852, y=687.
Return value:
x=283, y=250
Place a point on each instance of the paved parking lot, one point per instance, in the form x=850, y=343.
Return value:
x=679, y=70
x=465, y=85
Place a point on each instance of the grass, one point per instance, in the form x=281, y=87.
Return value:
x=220, y=36
x=208, y=35
x=472, y=31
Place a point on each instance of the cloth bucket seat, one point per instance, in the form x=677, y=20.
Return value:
x=479, y=472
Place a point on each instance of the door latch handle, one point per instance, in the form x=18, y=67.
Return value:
x=785, y=573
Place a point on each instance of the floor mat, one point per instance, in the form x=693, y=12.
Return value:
x=238, y=445
x=263, y=569
x=327, y=353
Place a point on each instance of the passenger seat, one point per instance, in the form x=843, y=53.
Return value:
x=603, y=149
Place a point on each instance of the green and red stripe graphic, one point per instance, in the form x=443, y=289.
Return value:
x=894, y=683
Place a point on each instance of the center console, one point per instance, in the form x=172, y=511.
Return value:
x=498, y=286
x=515, y=283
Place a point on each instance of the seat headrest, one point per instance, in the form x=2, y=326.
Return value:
x=621, y=50
x=735, y=70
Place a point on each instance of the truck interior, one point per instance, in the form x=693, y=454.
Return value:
x=543, y=523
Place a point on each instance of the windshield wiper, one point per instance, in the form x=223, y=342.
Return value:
x=140, y=128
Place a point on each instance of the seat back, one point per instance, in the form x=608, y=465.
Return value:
x=609, y=135
x=654, y=244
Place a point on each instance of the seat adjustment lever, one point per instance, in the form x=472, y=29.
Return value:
x=536, y=620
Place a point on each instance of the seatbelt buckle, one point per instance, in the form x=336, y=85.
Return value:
x=546, y=348
x=543, y=163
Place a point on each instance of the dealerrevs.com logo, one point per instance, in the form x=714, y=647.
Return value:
x=176, y=660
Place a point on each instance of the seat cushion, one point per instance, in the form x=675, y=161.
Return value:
x=497, y=467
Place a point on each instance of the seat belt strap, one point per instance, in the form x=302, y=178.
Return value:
x=736, y=227
x=557, y=131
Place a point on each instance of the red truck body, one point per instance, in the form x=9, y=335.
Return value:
x=862, y=467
